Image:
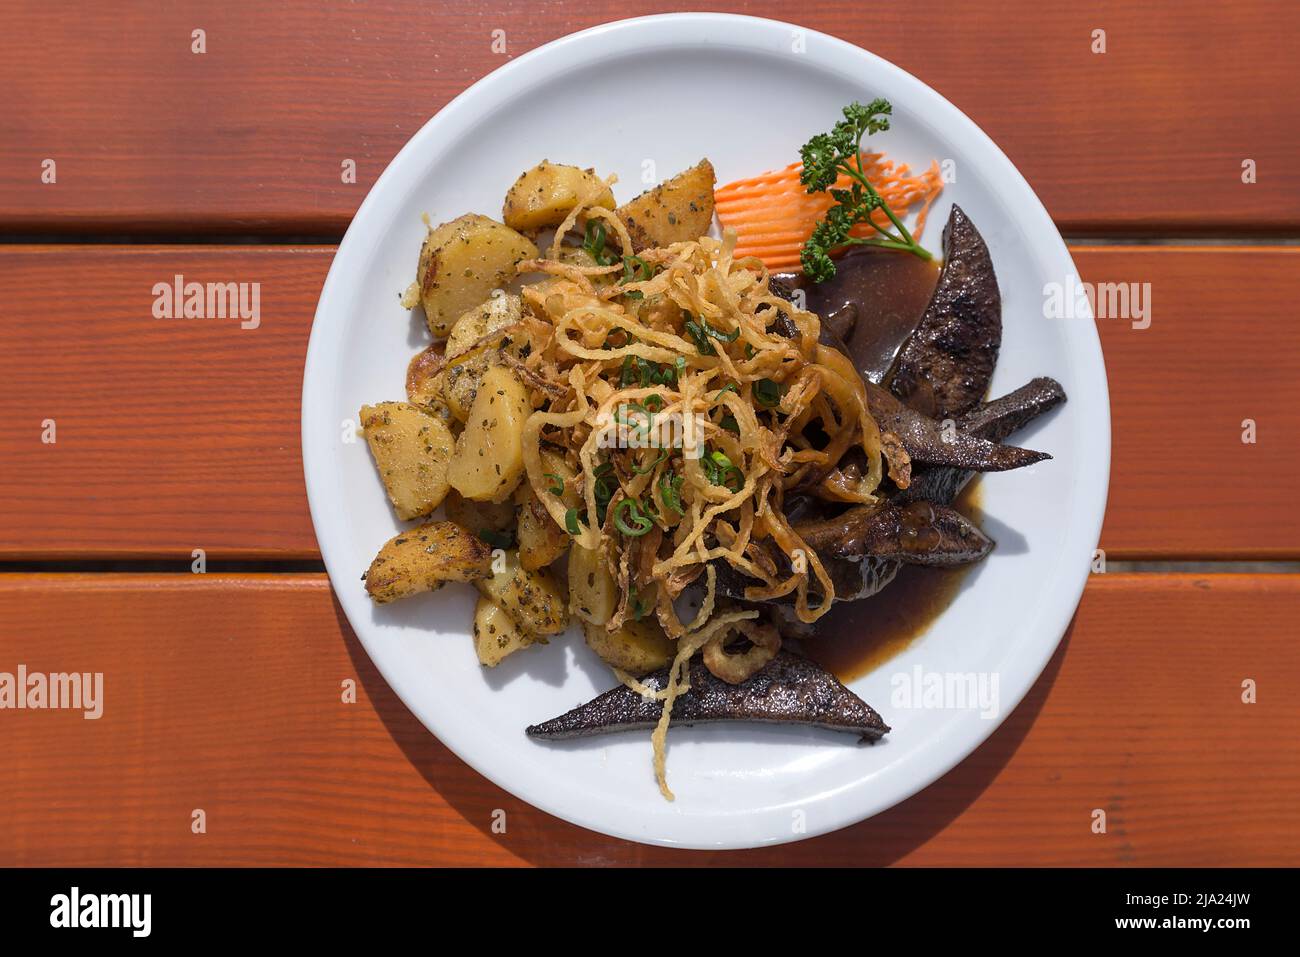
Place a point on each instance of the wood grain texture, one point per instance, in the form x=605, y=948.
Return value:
x=249, y=136
x=172, y=434
x=1222, y=348
x=223, y=693
x=183, y=434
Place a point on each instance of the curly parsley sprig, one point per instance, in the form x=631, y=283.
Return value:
x=825, y=158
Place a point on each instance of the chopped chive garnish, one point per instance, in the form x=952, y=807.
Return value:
x=670, y=490
x=639, y=608
x=642, y=470
x=718, y=334
x=641, y=524
x=767, y=393
x=635, y=269
x=702, y=343
x=594, y=243
x=719, y=470
x=700, y=331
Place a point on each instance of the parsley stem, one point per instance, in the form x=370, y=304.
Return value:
x=906, y=242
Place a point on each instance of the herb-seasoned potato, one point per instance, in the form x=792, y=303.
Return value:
x=547, y=193
x=462, y=262
x=489, y=457
x=674, y=211
x=495, y=633
x=412, y=450
x=468, y=357
x=593, y=593
x=426, y=377
x=533, y=599
x=423, y=559
x=541, y=541
x=480, y=517
x=638, y=648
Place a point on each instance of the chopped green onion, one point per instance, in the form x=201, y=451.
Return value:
x=702, y=343
x=640, y=523
x=729, y=387
x=594, y=243
x=639, y=470
x=641, y=428
x=571, y=521
x=629, y=373
x=670, y=490
x=719, y=470
x=603, y=489
x=558, y=487
x=719, y=334
x=638, y=371
x=767, y=393
x=701, y=332
x=635, y=269
x=639, y=608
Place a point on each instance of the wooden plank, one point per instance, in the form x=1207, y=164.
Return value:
x=223, y=693
x=171, y=434
x=176, y=435
x=249, y=136
x=1222, y=348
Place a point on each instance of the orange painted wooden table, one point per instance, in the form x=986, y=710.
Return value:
x=125, y=157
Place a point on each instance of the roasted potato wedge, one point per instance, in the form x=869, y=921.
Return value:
x=593, y=593
x=533, y=599
x=468, y=356
x=412, y=450
x=424, y=558
x=541, y=541
x=489, y=458
x=674, y=211
x=638, y=648
x=496, y=636
x=545, y=194
x=462, y=262
x=479, y=517
x=426, y=376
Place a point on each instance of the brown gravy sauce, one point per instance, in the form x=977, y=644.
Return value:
x=874, y=302
x=857, y=637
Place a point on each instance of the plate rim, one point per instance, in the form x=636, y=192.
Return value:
x=639, y=34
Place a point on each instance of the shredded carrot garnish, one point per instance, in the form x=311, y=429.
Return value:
x=773, y=214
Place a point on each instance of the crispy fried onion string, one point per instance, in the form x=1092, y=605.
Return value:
x=678, y=396
x=669, y=390
x=678, y=684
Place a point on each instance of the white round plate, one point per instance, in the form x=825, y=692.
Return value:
x=659, y=93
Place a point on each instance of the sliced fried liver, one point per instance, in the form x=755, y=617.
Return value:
x=790, y=689
x=944, y=368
